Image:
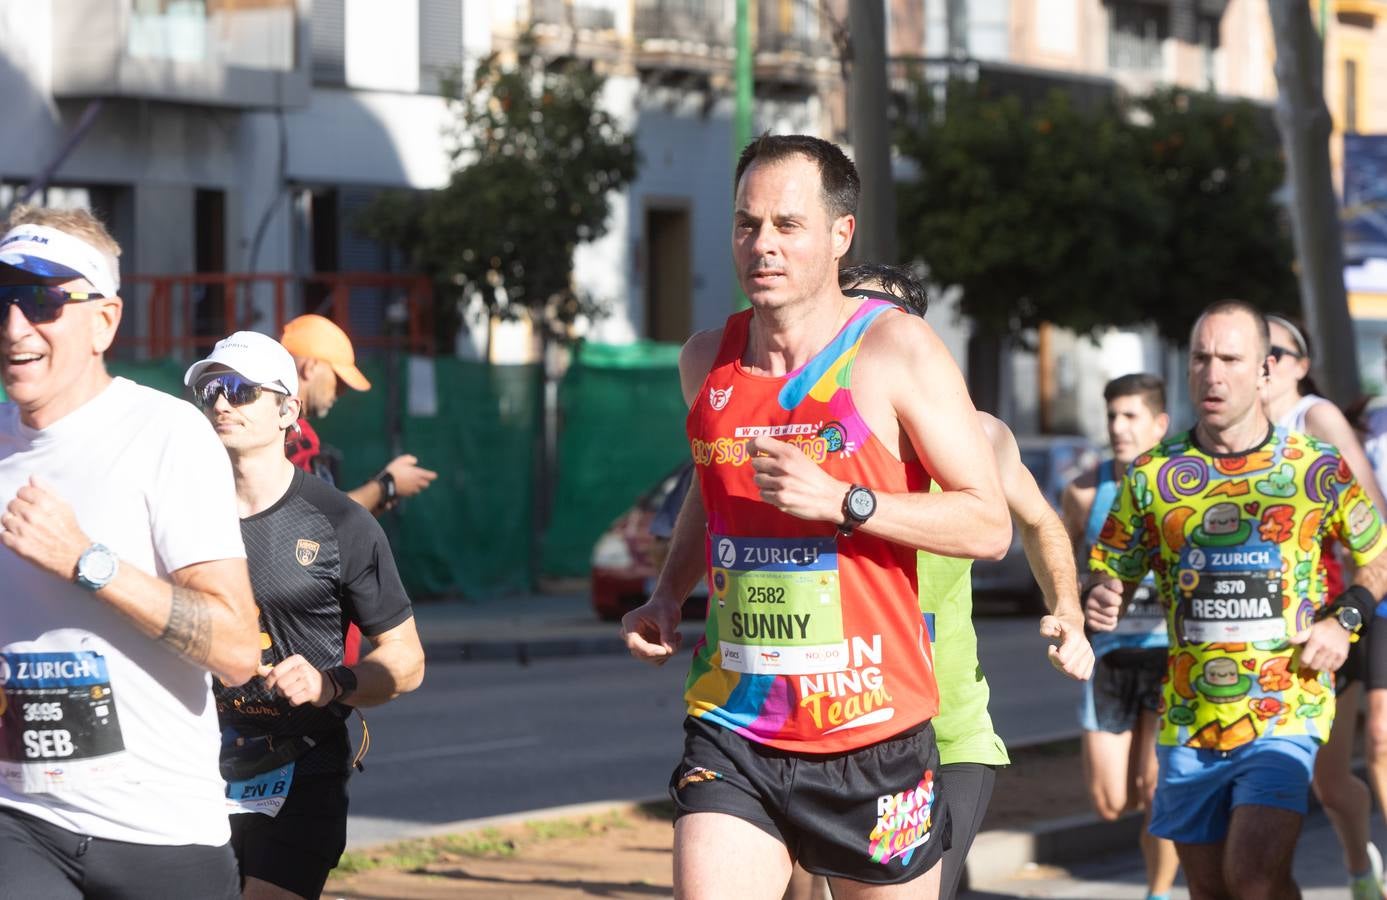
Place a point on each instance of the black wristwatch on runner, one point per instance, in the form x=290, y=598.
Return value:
x=344, y=679
x=858, y=505
x=389, y=494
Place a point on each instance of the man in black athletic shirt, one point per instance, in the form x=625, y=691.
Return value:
x=318, y=562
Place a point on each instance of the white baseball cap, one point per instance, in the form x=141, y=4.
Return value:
x=49, y=253
x=254, y=356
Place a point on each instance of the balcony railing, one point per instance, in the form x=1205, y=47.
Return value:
x=573, y=14
x=791, y=27
x=707, y=22
x=167, y=315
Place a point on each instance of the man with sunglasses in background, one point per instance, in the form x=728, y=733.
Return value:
x=125, y=585
x=317, y=561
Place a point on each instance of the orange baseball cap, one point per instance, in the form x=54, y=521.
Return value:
x=314, y=337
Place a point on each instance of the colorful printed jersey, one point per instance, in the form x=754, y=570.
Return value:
x=1142, y=626
x=1234, y=540
x=814, y=642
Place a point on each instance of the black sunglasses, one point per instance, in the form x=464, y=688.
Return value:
x=40, y=303
x=237, y=390
x=1278, y=352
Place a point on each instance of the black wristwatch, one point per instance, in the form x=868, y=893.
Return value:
x=345, y=680
x=858, y=505
x=389, y=494
x=1350, y=618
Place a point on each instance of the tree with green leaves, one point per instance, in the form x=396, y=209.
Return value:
x=535, y=163
x=1112, y=215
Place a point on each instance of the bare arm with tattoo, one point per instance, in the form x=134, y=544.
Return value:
x=207, y=614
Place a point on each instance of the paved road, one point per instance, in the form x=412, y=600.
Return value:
x=1319, y=870
x=487, y=738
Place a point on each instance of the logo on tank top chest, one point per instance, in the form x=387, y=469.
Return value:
x=305, y=551
x=718, y=397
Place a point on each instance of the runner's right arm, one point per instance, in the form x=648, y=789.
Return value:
x=205, y=612
x=651, y=631
x=1117, y=549
x=1048, y=551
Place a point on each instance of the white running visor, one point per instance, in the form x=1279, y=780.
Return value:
x=49, y=253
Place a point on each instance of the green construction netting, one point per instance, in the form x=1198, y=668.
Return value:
x=621, y=429
x=472, y=533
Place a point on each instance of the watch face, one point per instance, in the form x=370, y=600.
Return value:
x=861, y=503
x=98, y=564
x=1350, y=618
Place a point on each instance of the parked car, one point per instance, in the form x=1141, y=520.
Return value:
x=627, y=557
x=1054, y=460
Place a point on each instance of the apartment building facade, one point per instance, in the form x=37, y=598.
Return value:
x=248, y=135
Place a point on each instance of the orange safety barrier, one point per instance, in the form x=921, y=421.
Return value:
x=164, y=311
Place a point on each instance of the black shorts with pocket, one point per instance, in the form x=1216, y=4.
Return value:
x=1126, y=682
x=871, y=815
x=299, y=847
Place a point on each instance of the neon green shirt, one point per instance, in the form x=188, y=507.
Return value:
x=963, y=728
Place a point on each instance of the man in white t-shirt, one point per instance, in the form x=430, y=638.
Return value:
x=125, y=585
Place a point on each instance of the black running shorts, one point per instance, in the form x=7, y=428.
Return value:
x=966, y=789
x=42, y=860
x=299, y=847
x=1125, y=682
x=1371, y=650
x=871, y=815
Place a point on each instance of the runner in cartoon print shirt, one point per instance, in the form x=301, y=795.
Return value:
x=1231, y=517
x=1237, y=577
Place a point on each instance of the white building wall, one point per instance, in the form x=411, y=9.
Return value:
x=382, y=45
x=685, y=156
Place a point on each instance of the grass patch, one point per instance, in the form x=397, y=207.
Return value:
x=407, y=855
x=491, y=843
x=658, y=809
x=557, y=829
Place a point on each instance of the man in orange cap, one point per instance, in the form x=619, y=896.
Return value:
x=327, y=366
x=326, y=363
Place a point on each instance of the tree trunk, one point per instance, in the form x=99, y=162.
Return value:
x=871, y=140
x=1305, y=125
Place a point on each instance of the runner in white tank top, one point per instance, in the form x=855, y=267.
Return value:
x=1291, y=401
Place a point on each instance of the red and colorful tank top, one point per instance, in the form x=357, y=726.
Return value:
x=814, y=642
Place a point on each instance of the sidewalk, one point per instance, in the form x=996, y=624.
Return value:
x=521, y=628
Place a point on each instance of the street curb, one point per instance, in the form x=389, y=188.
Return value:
x=1003, y=852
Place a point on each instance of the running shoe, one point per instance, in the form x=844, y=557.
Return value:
x=1369, y=885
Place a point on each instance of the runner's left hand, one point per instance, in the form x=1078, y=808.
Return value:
x=296, y=680
x=410, y=477
x=1069, y=651
x=39, y=526
x=1323, y=646
x=792, y=483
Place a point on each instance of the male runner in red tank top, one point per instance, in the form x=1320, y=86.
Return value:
x=816, y=424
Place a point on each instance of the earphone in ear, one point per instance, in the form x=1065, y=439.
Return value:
x=1266, y=370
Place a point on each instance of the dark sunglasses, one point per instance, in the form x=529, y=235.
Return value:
x=237, y=390
x=40, y=303
x=1278, y=352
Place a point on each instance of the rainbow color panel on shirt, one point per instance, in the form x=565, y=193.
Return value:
x=1235, y=542
x=814, y=641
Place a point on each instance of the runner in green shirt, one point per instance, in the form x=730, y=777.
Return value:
x=969, y=748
